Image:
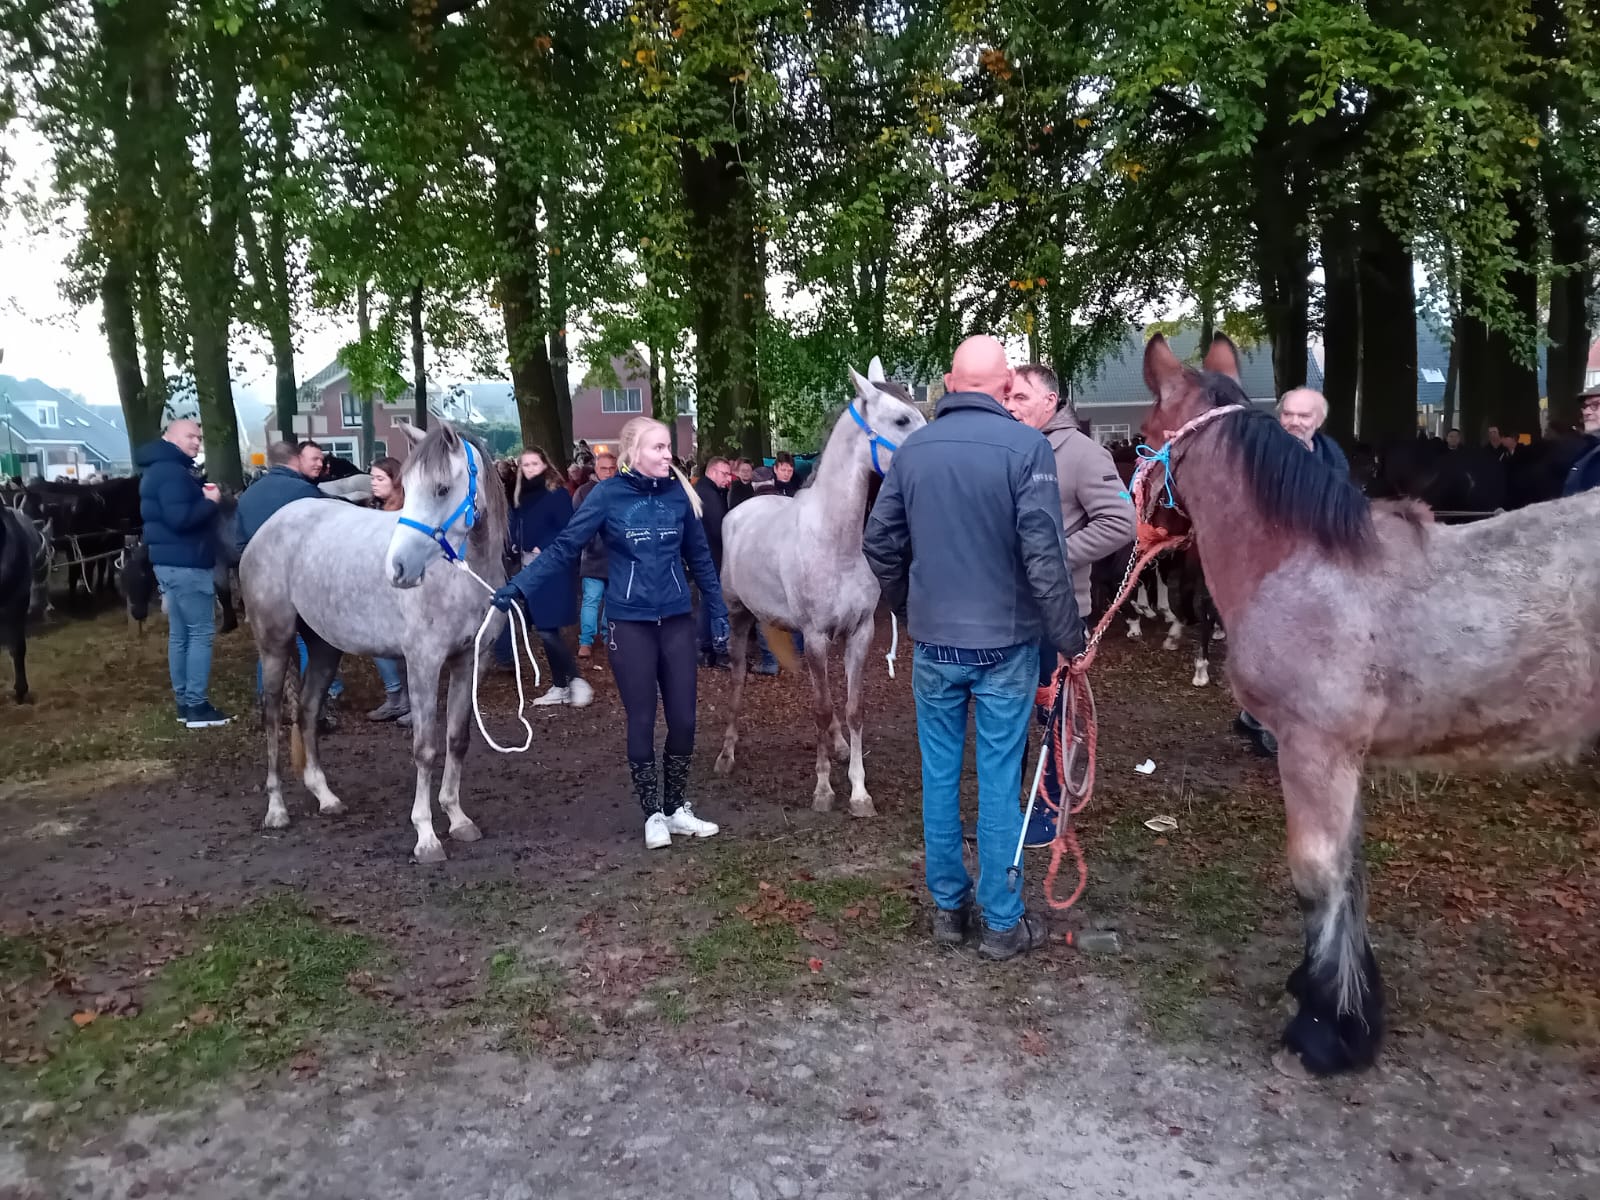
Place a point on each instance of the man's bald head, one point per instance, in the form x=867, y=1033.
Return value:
x=979, y=365
x=185, y=435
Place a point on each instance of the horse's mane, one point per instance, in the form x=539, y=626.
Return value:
x=1290, y=484
x=889, y=387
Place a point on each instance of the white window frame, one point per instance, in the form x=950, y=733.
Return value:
x=1432, y=375
x=336, y=447
x=344, y=410
x=47, y=415
x=622, y=401
x=1106, y=434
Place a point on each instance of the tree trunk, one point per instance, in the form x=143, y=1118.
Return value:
x=122, y=339
x=1570, y=305
x=1452, y=376
x=560, y=360
x=274, y=308
x=1388, y=329
x=364, y=333
x=1284, y=249
x=1514, y=403
x=522, y=307
x=1341, y=323
x=1476, y=386
x=419, y=360
x=728, y=290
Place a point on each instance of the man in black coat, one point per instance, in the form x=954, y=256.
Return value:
x=712, y=488
x=1585, y=473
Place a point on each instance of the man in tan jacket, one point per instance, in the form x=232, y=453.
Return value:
x=1096, y=516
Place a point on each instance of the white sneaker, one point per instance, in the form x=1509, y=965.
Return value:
x=685, y=823
x=579, y=693
x=657, y=833
x=556, y=695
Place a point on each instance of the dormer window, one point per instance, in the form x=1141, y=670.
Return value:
x=47, y=415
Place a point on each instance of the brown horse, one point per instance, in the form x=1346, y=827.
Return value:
x=1363, y=630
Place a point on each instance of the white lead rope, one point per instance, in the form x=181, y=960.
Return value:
x=516, y=665
x=894, y=642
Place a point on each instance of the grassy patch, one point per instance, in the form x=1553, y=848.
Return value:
x=1218, y=901
x=102, y=691
x=20, y=959
x=1171, y=994
x=525, y=1002
x=263, y=985
x=737, y=955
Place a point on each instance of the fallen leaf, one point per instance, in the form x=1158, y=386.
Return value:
x=305, y=1065
x=815, y=964
x=202, y=1016
x=80, y=1019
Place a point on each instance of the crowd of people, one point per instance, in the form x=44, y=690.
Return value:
x=982, y=537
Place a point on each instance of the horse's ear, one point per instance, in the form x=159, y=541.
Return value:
x=1162, y=370
x=412, y=434
x=863, y=387
x=451, y=438
x=875, y=371
x=1223, y=357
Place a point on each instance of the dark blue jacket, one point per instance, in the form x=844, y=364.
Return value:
x=1585, y=473
x=535, y=525
x=972, y=499
x=649, y=530
x=1325, y=448
x=278, y=487
x=178, y=519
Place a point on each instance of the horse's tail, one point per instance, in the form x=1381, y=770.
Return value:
x=781, y=645
x=291, y=711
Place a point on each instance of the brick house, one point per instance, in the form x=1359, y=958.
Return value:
x=600, y=410
x=329, y=413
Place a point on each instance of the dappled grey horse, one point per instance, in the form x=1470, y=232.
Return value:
x=355, y=580
x=797, y=563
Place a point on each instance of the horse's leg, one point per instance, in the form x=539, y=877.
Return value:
x=458, y=736
x=1205, y=624
x=423, y=677
x=19, y=660
x=274, y=666
x=1164, y=607
x=322, y=664
x=822, y=709
x=740, y=621
x=855, y=661
x=1141, y=596
x=841, y=748
x=1339, y=1024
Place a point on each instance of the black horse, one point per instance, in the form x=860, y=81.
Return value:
x=20, y=549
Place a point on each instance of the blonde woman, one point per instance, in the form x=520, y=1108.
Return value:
x=649, y=518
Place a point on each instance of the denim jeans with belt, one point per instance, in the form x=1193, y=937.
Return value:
x=1002, y=697
x=191, y=594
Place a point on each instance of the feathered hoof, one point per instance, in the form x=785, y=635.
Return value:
x=466, y=832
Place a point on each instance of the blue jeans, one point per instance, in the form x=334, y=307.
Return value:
x=335, y=689
x=1003, y=697
x=389, y=672
x=191, y=594
x=594, y=602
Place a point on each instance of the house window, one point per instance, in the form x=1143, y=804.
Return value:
x=47, y=416
x=1106, y=434
x=345, y=448
x=380, y=449
x=920, y=393
x=350, y=410
x=622, y=400
x=1432, y=375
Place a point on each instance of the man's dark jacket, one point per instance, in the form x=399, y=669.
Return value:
x=1325, y=448
x=714, y=506
x=1585, y=473
x=965, y=537
x=179, y=522
x=281, y=485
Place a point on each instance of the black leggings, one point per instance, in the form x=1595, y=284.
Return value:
x=648, y=658
x=563, y=667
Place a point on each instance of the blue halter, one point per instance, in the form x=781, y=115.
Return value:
x=466, y=511
x=1150, y=458
x=874, y=438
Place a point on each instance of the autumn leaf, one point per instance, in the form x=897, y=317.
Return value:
x=80, y=1019
x=815, y=964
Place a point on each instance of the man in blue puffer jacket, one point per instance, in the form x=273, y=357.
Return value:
x=179, y=514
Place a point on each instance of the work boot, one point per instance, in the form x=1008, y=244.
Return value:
x=950, y=925
x=680, y=814
x=1027, y=934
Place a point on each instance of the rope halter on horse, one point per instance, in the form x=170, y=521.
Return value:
x=874, y=438
x=466, y=512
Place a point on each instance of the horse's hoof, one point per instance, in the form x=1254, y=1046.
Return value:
x=332, y=809
x=466, y=832
x=822, y=801
x=862, y=807
x=25, y=698
x=276, y=820
x=432, y=852
x=724, y=764
x=841, y=751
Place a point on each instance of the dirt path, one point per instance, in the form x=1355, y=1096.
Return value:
x=192, y=1007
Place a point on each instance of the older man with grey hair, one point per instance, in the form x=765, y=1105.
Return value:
x=1302, y=412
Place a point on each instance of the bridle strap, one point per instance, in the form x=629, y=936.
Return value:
x=874, y=438
x=466, y=512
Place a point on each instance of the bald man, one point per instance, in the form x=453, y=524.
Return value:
x=179, y=515
x=966, y=540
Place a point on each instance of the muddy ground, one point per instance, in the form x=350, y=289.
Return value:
x=192, y=1006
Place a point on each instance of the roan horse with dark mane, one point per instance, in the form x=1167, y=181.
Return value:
x=1363, y=630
